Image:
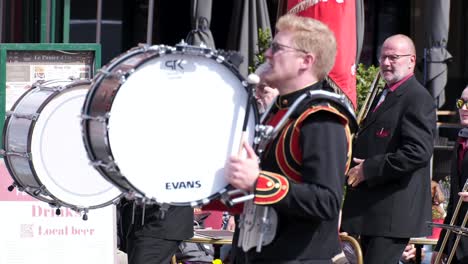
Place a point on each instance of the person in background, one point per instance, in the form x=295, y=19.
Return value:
x=300, y=175
x=151, y=234
x=409, y=255
x=388, y=198
x=458, y=177
x=264, y=93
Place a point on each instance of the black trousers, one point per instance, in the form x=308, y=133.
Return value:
x=150, y=250
x=382, y=250
x=147, y=242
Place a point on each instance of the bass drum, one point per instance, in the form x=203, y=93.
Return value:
x=159, y=122
x=44, y=151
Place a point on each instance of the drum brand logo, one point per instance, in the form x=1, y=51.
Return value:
x=183, y=185
x=173, y=64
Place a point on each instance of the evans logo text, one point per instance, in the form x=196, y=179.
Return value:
x=183, y=185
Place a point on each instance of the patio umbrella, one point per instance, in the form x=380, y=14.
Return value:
x=247, y=17
x=201, y=18
x=360, y=22
x=436, y=55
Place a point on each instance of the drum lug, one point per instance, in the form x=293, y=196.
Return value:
x=13, y=186
x=53, y=89
x=25, y=116
x=110, y=166
x=83, y=212
x=14, y=153
x=102, y=119
x=119, y=74
x=36, y=191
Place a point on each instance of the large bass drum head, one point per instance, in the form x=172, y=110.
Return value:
x=59, y=156
x=173, y=124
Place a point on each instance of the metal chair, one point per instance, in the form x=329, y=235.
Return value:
x=352, y=249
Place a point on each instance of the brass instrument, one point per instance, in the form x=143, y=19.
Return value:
x=373, y=91
x=453, y=230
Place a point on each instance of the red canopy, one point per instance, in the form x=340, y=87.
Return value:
x=340, y=16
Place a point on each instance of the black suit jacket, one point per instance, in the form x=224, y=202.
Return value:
x=457, y=180
x=396, y=142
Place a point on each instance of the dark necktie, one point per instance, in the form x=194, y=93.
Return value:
x=381, y=99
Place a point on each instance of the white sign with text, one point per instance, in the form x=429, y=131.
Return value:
x=32, y=232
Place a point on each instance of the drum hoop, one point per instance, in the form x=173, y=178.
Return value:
x=180, y=50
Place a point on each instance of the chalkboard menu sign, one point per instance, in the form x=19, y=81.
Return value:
x=21, y=65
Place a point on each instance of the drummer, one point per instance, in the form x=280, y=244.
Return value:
x=300, y=176
x=459, y=175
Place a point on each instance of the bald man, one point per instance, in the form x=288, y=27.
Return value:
x=388, y=198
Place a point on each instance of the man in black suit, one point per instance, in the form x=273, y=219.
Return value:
x=388, y=198
x=458, y=177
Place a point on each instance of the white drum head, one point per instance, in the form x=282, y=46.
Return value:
x=59, y=156
x=173, y=125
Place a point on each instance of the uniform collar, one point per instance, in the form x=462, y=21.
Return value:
x=286, y=100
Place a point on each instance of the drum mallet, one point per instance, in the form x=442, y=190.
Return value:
x=252, y=80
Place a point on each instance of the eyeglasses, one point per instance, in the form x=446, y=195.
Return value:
x=461, y=102
x=275, y=47
x=393, y=57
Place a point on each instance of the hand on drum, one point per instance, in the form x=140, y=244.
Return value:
x=356, y=174
x=242, y=172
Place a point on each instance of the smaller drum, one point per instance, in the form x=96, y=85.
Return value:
x=44, y=150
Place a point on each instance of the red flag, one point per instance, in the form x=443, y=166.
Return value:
x=340, y=17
